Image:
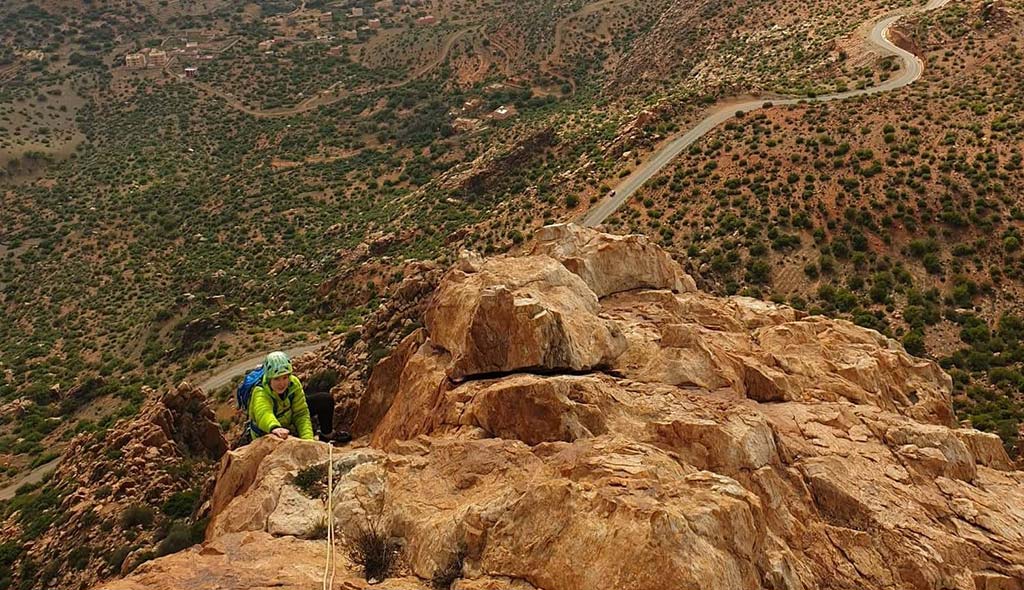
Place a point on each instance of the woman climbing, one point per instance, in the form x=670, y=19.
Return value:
x=278, y=405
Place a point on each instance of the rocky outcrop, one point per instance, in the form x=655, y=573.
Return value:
x=500, y=164
x=583, y=418
x=74, y=529
x=514, y=314
x=249, y=560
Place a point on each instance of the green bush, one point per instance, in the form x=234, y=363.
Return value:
x=312, y=480
x=137, y=515
x=179, y=537
x=181, y=504
x=79, y=557
x=913, y=341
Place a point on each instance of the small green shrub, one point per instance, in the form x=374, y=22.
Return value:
x=312, y=480
x=137, y=515
x=179, y=537
x=181, y=504
x=79, y=558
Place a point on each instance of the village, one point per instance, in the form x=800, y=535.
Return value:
x=301, y=26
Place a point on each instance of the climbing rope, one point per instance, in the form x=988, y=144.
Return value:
x=331, y=564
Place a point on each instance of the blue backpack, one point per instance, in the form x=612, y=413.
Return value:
x=244, y=393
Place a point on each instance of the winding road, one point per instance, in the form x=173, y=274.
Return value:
x=10, y=489
x=878, y=37
x=911, y=71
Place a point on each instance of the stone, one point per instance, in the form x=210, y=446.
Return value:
x=612, y=264
x=986, y=448
x=519, y=314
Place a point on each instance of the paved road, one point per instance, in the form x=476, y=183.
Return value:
x=878, y=37
x=35, y=476
x=228, y=374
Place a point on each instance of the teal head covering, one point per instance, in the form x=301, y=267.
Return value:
x=276, y=364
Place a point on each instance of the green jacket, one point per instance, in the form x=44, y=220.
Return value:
x=268, y=411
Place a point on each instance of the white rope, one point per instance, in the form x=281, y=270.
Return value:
x=331, y=564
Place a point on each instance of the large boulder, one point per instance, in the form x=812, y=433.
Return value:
x=511, y=314
x=611, y=264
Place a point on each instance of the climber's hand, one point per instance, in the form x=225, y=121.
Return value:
x=281, y=433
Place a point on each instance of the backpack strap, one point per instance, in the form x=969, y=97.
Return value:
x=256, y=429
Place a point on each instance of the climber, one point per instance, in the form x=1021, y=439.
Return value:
x=278, y=405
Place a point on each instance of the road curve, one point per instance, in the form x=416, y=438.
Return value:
x=909, y=73
x=228, y=374
x=36, y=475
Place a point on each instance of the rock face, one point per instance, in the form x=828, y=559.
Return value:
x=248, y=560
x=583, y=418
x=350, y=356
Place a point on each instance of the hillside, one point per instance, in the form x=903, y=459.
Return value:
x=901, y=213
x=584, y=417
x=172, y=223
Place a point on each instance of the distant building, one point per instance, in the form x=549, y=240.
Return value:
x=265, y=45
x=326, y=17
x=34, y=55
x=191, y=72
x=356, y=12
x=465, y=124
x=335, y=51
x=135, y=61
x=157, y=59
x=426, y=20
x=384, y=6
x=350, y=35
x=374, y=23
x=472, y=104
x=503, y=112
x=191, y=44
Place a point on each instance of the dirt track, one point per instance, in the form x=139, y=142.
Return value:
x=228, y=374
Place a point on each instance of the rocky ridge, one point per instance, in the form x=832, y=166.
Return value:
x=583, y=417
x=72, y=531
